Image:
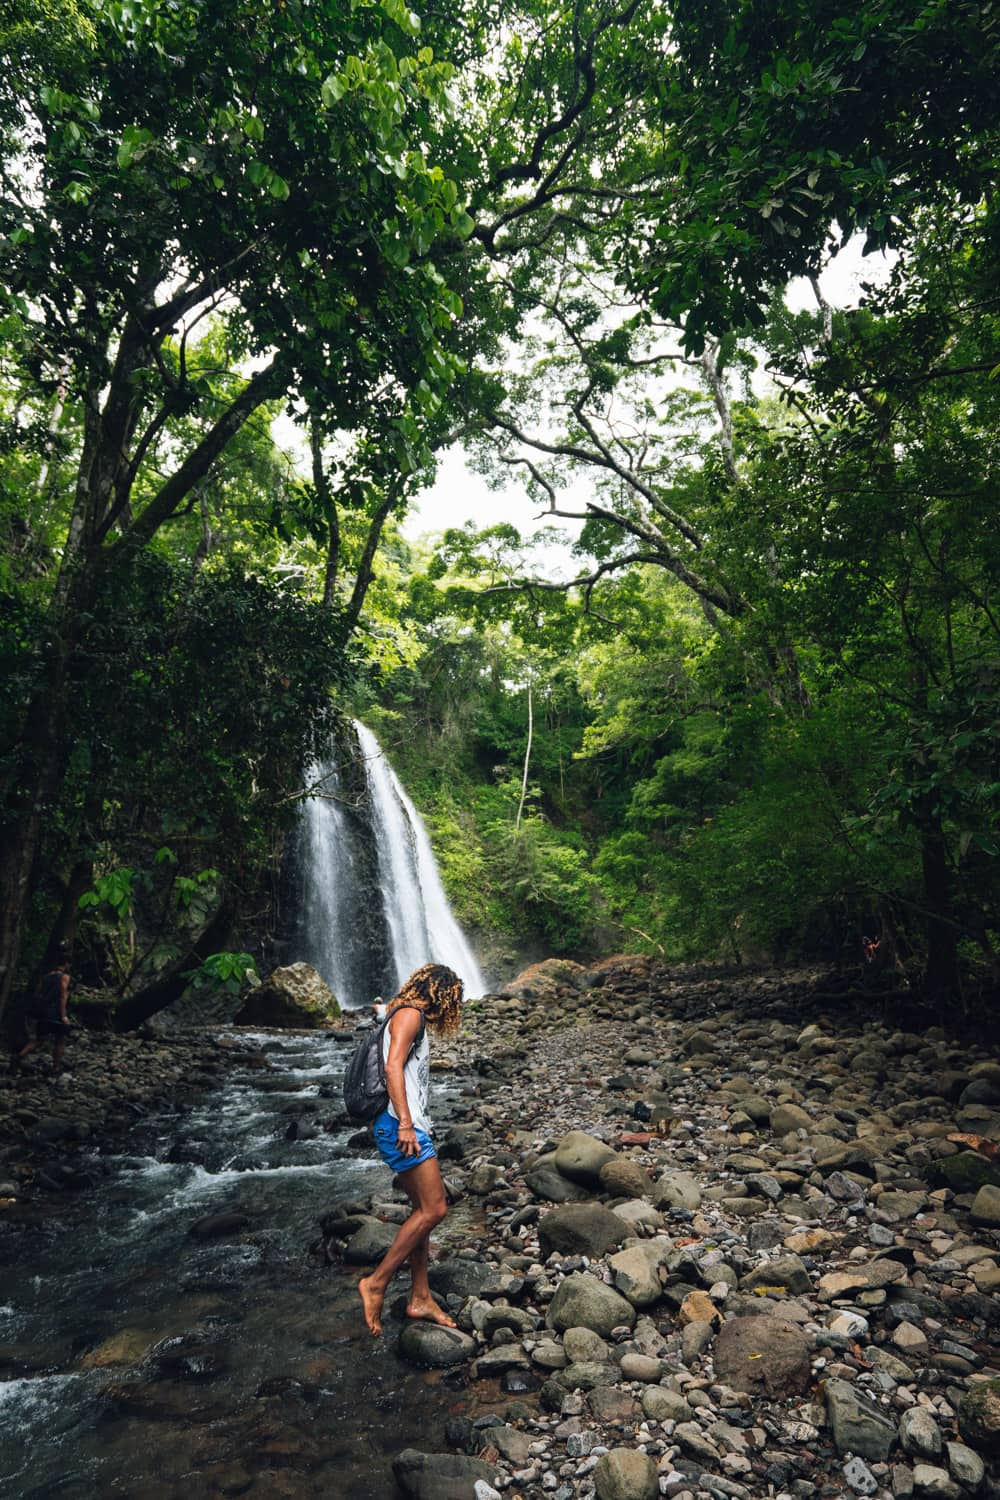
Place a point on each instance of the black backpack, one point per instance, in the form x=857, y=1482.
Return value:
x=365, y=1092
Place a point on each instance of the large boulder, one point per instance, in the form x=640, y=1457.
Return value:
x=441, y=1476
x=434, y=1346
x=294, y=998
x=545, y=980
x=581, y=1229
x=581, y=1301
x=762, y=1354
x=580, y=1157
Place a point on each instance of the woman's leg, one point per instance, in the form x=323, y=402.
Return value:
x=426, y=1190
x=421, y=1303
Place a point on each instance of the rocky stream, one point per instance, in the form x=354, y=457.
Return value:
x=714, y=1237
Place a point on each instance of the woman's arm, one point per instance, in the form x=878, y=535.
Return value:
x=403, y=1033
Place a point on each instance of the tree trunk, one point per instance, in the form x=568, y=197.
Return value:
x=170, y=986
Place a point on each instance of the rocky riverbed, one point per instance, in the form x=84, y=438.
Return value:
x=50, y=1123
x=735, y=1242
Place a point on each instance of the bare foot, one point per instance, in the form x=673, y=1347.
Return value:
x=371, y=1301
x=427, y=1310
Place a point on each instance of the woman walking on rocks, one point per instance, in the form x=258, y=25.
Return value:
x=430, y=999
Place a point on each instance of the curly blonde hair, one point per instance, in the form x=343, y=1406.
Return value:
x=437, y=991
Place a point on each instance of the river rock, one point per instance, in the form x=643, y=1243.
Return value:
x=930, y=1480
x=786, y=1272
x=979, y=1415
x=965, y=1465
x=919, y=1433
x=545, y=1180
x=789, y=1117
x=292, y=997
x=986, y=1206
x=767, y=1353
x=435, y=1347
x=626, y=1474
x=369, y=1243
x=581, y=1301
x=635, y=1273
x=217, y=1225
x=661, y=1404
x=580, y=1229
x=623, y=1178
x=858, y=1426
x=676, y=1190
x=580, y=1157
x=440, y=1476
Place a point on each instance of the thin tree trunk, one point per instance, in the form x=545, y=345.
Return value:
x=527, y=760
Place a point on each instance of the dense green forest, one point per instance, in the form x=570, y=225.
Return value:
x=759, y=718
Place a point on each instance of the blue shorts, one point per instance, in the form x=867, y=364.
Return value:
x=386, y=1128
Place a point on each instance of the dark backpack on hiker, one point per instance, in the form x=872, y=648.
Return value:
x=365, y=1091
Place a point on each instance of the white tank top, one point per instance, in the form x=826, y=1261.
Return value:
x=416, y=1078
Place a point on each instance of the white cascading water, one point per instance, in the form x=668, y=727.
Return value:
x=328, y=899
x=420, y=923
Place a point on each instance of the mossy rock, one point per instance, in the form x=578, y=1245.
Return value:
x=979, y=1416
x=966, y=1172
x=292, y=998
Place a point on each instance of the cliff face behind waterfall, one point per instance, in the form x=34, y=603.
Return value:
x=362, y=896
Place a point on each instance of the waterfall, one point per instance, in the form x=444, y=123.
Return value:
x=371, y=904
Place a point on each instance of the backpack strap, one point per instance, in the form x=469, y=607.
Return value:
x=414, y=1045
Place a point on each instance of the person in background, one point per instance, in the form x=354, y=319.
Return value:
x=379, y=1009
x=51, y=1017
x=430, y=1000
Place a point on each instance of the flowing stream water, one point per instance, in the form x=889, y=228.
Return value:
x=139, y=1360
x=259, y=1377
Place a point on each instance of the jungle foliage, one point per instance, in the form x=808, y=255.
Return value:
x=763, y=710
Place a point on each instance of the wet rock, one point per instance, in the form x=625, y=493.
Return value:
x=626, y=1474
x=125, y=1348
x=858, y=1426
x=581, y=1301
x=295, y=996
x=369, y=1243
x=440, y=1476
x=214, y=1226
x=763, y=1354
x=580, y=1229
x=435, y=1347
